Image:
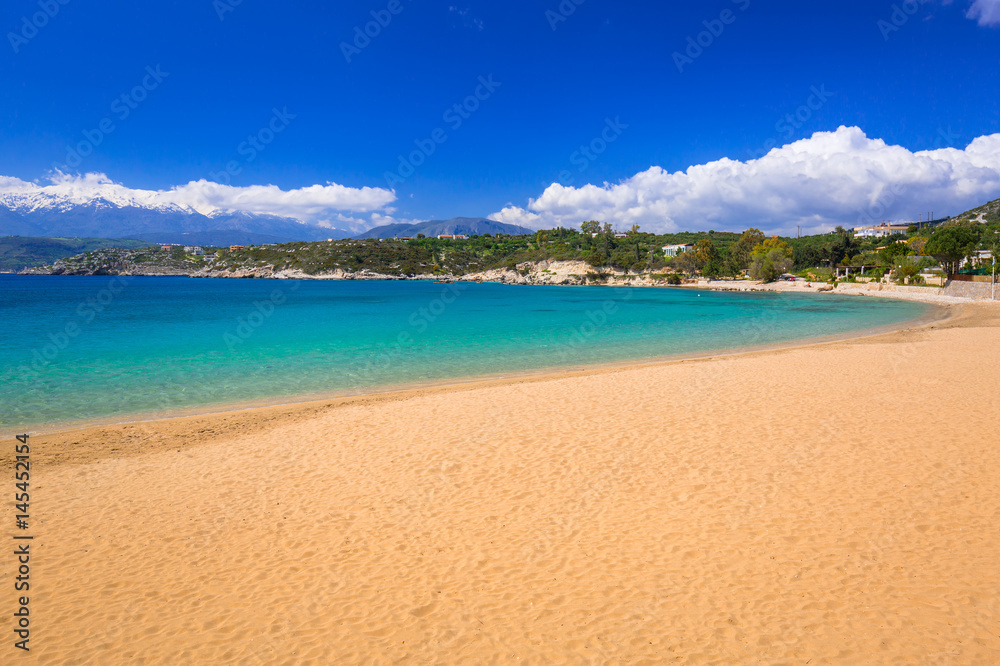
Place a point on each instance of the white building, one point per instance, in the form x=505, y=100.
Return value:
x=674, y=250
x=191, y=249
x=982, y=257
x=881, y=231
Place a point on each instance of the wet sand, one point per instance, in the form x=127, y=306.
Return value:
x=830, y=503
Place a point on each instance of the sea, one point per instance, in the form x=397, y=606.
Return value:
x=105, y=349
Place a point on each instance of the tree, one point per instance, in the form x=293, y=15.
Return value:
x=843, y=245
x=686, y=262
x=892, y=252
x=707, y=258
x=950, y=245
x=591, y=227
x=738, y=259
x=656, y=259
x=991, y=240
x=918, y=243
x=770, y=259
x=904, y=273
x=704, y=251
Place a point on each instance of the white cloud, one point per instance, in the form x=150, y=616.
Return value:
x=832, y=178
x=307, y=204
x=323, y=205
x=986, y=12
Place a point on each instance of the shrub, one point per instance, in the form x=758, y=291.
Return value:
x=903, y=272
x=770, y=259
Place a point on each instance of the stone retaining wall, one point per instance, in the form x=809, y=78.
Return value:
x=977, y=291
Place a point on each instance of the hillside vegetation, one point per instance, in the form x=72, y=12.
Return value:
x=19, y=252
x=458, y=257
x=118, y=261
x=988, y=213
x=715, y=254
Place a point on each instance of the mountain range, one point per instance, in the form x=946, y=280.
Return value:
x=111, y=214
x=45, y=214
x=469, y=226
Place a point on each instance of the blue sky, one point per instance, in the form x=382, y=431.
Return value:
x=562, y=80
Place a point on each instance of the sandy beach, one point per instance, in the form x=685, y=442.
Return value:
x=832, y=503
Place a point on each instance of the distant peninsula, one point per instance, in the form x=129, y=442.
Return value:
x=914, y=253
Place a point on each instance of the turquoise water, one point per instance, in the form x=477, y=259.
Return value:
x=86, y=348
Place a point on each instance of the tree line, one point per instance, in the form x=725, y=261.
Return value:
x=713, y=254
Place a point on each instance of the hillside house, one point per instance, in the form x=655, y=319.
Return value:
x=982, y=257
x=674, y=250
x=880, y=231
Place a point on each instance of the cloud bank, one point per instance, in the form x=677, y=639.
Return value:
x=985, y=12
x=832, y=178
x=329, y=205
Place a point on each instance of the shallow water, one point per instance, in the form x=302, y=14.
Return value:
x=85, y=348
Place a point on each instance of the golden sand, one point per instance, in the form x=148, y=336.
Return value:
x=826, y=504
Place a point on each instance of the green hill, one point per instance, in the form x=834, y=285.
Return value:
x=988, y=213
x=19, y=252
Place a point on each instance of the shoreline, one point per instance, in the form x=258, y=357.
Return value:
x=925, y=294
x=826, y=503
x=292, y=406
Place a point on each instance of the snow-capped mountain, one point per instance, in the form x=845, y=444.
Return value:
x=30, y=202
x=116, y=212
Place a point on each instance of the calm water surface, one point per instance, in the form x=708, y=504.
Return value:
x=85, y=348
